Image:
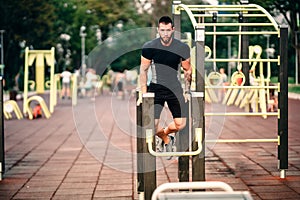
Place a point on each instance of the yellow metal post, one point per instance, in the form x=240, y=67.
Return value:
x=39, y=56
x=40, y=73
x=26, y=71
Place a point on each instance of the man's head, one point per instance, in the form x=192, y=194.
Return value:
x=165, y=30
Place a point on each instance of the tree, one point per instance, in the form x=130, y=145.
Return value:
x=40, y=24
x=24, y=20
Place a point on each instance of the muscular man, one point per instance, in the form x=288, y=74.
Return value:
x=165, y=55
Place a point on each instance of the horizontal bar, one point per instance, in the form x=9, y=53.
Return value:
x=198, y=139
x=241, y=33
x=243, y=114
x=224, y=9
x=241, y=140
x=236, y=24
x=242, y=87
x=229, y=15
x=148, y=95
x=39, y=51
x=197, y=94
x=241, y=60
x=190, y=185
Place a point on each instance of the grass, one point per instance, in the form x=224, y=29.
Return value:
x=292, y=87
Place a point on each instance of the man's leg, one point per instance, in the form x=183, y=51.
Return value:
x=176, y=125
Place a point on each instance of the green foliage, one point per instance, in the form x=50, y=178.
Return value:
x=294, y=89
x=41, y=23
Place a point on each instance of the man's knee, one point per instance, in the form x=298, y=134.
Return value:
x=180, y=123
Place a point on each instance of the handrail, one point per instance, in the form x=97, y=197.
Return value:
x=242, y=87
x=242, y=140
x=243, y=114
x=198, y=139
x=242, y=60
x=191, y=185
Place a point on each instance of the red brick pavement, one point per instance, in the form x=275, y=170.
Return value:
x=87, y=152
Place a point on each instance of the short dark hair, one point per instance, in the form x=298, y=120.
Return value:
x=165, y=20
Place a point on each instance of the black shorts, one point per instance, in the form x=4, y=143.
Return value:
x=120, y=86
x=174, y=99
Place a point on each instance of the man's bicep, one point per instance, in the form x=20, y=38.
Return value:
x=145, y=63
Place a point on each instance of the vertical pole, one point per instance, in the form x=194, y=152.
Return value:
x=245, y=46
x=2, y=159
x=83, y=54
x=52, y=79
x=183, y=136
x=296, y=58
x=229, y=55
x=26, y=72
x=198, y=161
x=139, y=144
x=176, y=19
x=149, y=161
x=2, y=54
x=283, y=103
x=2, y=47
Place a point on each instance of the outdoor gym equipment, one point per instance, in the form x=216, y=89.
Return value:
x=216, y=191
x=201, y=18
x=39, y=56
x=11, y=106
x=2, y=151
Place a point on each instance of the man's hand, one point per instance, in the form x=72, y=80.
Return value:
x=187, y=96
x=140, y=99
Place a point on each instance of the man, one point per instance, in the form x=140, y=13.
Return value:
x=164, y=55
x=66, y=79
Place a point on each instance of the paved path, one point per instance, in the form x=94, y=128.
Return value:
x=87, y=152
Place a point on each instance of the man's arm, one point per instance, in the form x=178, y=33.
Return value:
x=145, y=64
x=186, y=65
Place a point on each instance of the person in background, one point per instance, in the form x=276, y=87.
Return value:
x=224, y=82
x=66, y=80
x=91, y=79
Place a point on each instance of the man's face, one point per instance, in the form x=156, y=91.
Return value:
x=165, y=32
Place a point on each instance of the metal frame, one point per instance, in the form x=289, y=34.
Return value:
x=146, y=161
x=243, y=9
x=198, y=139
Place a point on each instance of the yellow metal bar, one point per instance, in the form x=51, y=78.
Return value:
x=241, y=140
x=41, y=101
x=215, y=8
x=39, y=73
x=238, y=24
x=241, y=60
x=74, y=89
x=247, y=7
x=242, y=87
x=242, y=114
x=190, y=14
x=241, y=33
x=13, y=107
x=229, y=15
x=41, y=51
x=198, y=139
x=53, y=94
x=26, y=71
